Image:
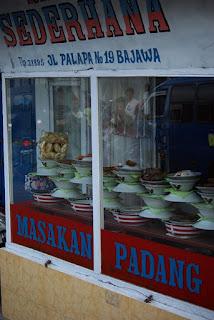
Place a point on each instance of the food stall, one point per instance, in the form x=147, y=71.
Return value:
x=109, y=159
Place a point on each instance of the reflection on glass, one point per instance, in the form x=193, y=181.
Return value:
x=158, y=154
x=50, y=142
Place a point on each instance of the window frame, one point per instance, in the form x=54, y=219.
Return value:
x=166, y=303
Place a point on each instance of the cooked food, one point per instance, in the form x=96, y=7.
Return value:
x=53, y=146
x=153, y=174
x=130, y=163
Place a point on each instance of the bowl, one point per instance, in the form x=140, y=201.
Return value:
x=129, y=188
x=82, y=180
x=154, y=201
x=205, y=210
x=49, y=163
x=156, y=189
x=190, y=176
x=182, y=185
x=83, y=171
x=112, y=203
x=49, y=172
x=207, y=197
x=62, y=183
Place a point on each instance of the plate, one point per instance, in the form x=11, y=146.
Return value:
x=192, y=197
x=204, y=224
x=67, y=194
x=46, y=198
x=152, y=213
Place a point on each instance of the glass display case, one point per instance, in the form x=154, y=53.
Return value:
x=156, y=169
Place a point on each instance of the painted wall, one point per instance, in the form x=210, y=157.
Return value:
x=31, y=291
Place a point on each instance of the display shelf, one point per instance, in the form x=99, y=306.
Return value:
x=152, y=230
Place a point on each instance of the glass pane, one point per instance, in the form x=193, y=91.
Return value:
x=158, y=161
x=205, y=103
x=49, y=126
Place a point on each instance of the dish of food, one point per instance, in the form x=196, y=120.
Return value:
x=153, y=174
x=185, y=175
x=53, y=146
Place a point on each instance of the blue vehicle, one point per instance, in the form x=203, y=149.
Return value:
x=183, y=110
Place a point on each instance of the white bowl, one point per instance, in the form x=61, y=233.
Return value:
x=112, y=203
x=156, y=189
x=49, y=172
x=154, y=201
x=83, y=180
x=182, y=185
x=83, y=171
x=49, y=163
x=190, y=176
x=129, y=188
x=110, y=195
x=207, y=197
x=62, y=183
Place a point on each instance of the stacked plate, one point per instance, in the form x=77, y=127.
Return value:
x=82, y=206
x=129, y=217
x=129, y=174
x=46, y=198
x=182, y=229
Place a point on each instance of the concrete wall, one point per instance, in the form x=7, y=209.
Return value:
x=32, y=292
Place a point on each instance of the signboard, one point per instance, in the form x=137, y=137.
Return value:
x=50, y=35
x=60, y=237
x=175, y=272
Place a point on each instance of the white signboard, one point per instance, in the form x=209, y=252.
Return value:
x=48, y=35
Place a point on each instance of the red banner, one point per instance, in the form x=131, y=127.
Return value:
x=58, y=236
x=175, y=272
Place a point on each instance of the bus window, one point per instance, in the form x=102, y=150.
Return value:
x=182, y=103
x=156, y=106
x=205, y=103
